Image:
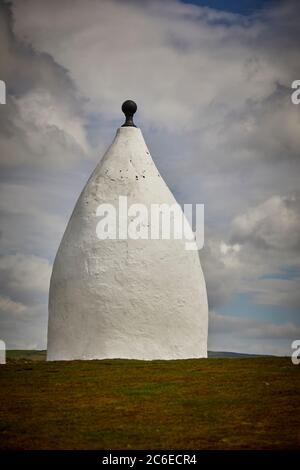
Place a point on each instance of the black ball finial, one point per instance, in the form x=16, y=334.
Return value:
x=129, y=107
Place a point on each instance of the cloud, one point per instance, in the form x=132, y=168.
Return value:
x=251, y=336
x=222, y=270
x=24, y=276
x=9, y=306
x=24, y=282
x=31, y=223
x=26, y=329
x=213, y=93
x=274, y=224
x=279, y=292
x=42, y=122
x=263, y=243
x=252, y=328
x=175, y=51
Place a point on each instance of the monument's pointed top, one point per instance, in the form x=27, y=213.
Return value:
x=129, y=107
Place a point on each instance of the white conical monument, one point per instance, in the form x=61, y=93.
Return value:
x=125, y=298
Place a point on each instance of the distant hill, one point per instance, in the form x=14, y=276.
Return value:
x=34, y=355
x=234, y=354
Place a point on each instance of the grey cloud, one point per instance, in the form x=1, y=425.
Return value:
x=24, y=282
x=26, y=330
x=9, y=306
x=191, y=91
x=259, y=243
x=251, y=336
x=29, y=222
x=279, y=292
x=252, y=328
x=274, y=224
x=42, y=122
x=23, y=277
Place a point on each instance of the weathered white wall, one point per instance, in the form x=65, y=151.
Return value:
x=2, y=352
x=142, y=299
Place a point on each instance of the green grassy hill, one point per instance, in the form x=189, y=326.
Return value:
x=240, y=403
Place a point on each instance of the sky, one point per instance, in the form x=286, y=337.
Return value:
x=212, y=80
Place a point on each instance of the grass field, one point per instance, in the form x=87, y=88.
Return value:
x=241, y=403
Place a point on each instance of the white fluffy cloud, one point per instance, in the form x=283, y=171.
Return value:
x=274, y=224
x=261, y=256
x=197, y=65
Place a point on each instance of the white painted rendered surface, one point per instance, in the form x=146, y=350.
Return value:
x=2, y=352
x=138, y=299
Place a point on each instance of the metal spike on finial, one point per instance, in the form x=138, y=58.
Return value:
x=129, y=107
